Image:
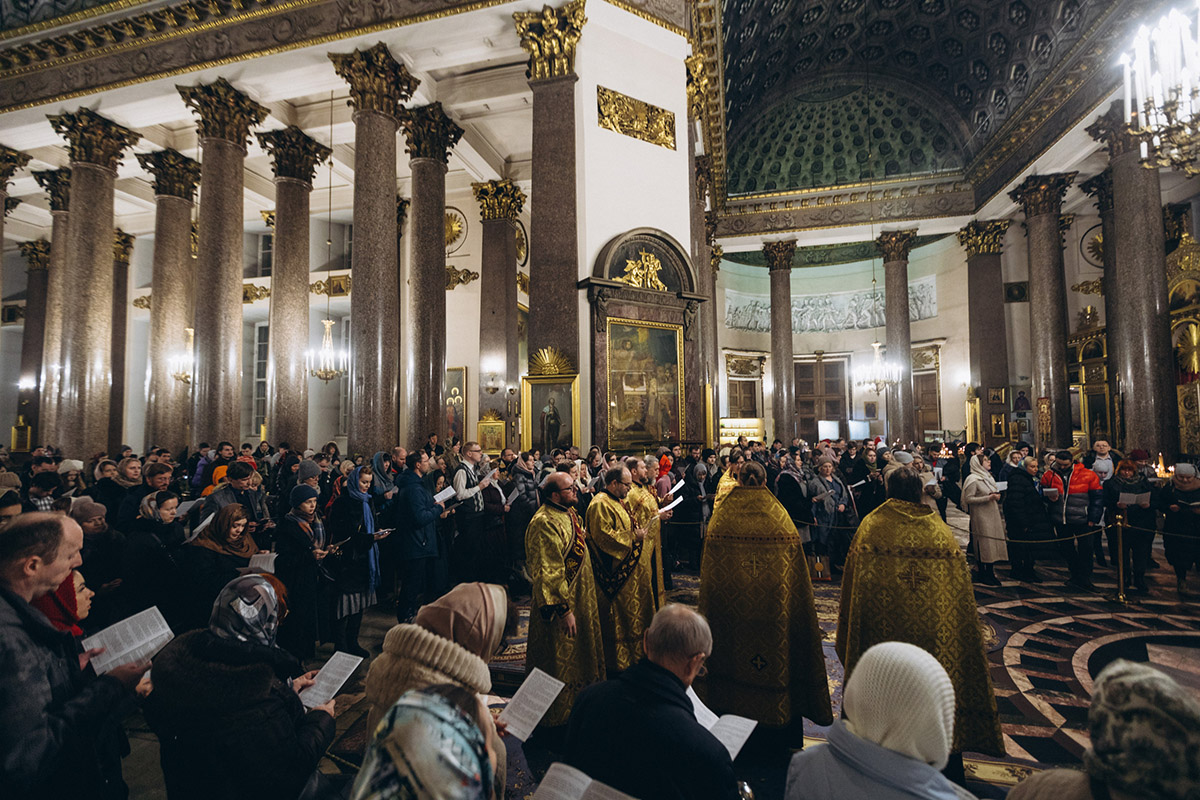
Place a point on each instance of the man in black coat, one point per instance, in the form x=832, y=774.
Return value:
x=638, y=732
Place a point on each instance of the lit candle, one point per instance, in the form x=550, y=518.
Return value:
x=1128, y=98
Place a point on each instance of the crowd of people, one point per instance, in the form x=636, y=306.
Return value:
x=446, y=535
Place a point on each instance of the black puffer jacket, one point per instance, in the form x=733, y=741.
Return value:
x=228, y=725
x=1025, y=515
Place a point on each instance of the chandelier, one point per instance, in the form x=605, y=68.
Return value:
x=180, y=365
x=327, y=363
x=1162, y=92
x=878, y=375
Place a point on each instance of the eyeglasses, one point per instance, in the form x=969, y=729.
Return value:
x=703, y=665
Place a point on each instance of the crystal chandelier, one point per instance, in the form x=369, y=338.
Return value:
x=327, y=363
x=878, y=375
x=1162, y=92
x=181, y=364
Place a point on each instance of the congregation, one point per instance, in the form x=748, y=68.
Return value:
x=451, y=538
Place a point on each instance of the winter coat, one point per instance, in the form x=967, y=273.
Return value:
x=523, y=506
x=228, y=725
x=415, y=516
x=987, y=528
x=109, y=494
x=1135, y=516
x=301, y=573
x=1081, y=502
x=208, y=571
x=792, y=490
x=154, y=576
x=351, y=568
x=1025, y=511
x=1181, y=529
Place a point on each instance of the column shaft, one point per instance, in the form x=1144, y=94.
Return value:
x=37, y=256
x=55, y=321
x=120, y=322
x=1048, y=325
x=425, y=368
x=287, y=381
x=783, y=371
x=168, y=403
x=986, y=336
x=901, y=409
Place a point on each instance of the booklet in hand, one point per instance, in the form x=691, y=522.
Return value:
x=444, y=495
x=567, y=783
x=132, y=639
x=531, y=702
x=672, y=504
x=330, y=679
x=730, y=730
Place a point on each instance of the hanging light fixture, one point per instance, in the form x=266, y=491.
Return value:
x=1162, y=91
x=329, y=362
x=181, y=365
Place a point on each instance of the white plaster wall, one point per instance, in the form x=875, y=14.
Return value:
x=137, y=376
x=462, y=311
x=1077, y=269
x=12, y=268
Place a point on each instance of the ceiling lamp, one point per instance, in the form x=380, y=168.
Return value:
x=1162, y=92
x=328, y=363
x=878, y=375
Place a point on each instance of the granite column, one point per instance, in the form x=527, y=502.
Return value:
x=1140, y=347
x=96, y=145
x=1100, y=187
x=550, y=37
x=294, y=158
x=901, y=410
x=500, y=204
x=783, y=370
x=57, y=184
x=430, y=135
x=172, y=299
x=1041, y=199
x=986, y=334
x=122, y=249
x=378, y=84
x=37, y=258
x=225, y=118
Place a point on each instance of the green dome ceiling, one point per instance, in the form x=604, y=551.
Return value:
x=840, y=135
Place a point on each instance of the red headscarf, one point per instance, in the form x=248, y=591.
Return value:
x=664, y=465
x=59, y=607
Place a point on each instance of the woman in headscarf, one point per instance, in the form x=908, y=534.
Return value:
x=68, y=605
x=1140, y=519
x=226, y=707
x=355, y=562
x=285, y=479
x=664, y=480
x=70, y=471
x=1026, y=520
x=894, y=736
x=438, y=743
x=1145, y=734
x=344, y=468
x=216, y=555
x=302, y=545
x=383, y=488
x=436, y=482
x=152, y=571
x=982, y=500
x=833, y=506
x=111, y=487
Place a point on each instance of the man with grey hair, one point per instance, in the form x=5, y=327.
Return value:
x=638, y=732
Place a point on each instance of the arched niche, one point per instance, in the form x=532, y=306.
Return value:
x=642, y=252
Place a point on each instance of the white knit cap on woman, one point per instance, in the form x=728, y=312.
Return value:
x=900, y=697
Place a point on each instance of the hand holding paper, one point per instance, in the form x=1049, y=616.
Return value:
x=531, y=702
x=330, y=679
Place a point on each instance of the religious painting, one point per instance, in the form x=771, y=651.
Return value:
x=645, y=383
x=491, y=435
x=871, y=409
x=1095, y=402
x=1076, y=404
x=550, y=412
x=998, y=426
x=456, y=402
x=995, y=396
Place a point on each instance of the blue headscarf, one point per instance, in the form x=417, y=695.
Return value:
x=369, y=522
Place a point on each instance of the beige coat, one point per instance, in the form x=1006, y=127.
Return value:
x=930, y=493
x=987, y=526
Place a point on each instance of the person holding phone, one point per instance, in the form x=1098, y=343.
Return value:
x=354, y=558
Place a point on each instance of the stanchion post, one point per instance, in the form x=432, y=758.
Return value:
x=1120, y=597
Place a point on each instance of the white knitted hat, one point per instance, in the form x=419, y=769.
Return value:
x=900, y=697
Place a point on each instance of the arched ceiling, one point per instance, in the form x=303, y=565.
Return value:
x=967, y=63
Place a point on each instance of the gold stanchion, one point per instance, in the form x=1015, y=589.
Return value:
x=1119, y=597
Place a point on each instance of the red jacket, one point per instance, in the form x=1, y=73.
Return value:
x=1081, y=502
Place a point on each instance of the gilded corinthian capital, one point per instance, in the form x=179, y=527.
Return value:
x=1100, y=187
x=697, y=85
x=10, y=161
x=92, y=139
x=225, y=113
x=779, y=254
x=36, y=254
x=402, y=204
x=57, y=184
x=1111, y=129
x=175, y=175
x=430, y=133
x=122, y=246
x=10, y=204
x=980, y=238
x=293, y=153
x=378, y=82
x=550, y=37
x=498, y=199
x=1043, y=194
x=894, y=245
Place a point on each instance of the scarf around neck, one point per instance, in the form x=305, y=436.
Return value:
x=368, y=514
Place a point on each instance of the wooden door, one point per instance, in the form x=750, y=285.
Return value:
x=926, y=401
x=820, y=394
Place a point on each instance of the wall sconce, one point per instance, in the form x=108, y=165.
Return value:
x=492, y=384
x=27, y=383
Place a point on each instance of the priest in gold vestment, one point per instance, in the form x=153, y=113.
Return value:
x=621, y=560
x=729, y=478
x=906, y=580
x=755, y=591
x=564, y=625
x=646, y=514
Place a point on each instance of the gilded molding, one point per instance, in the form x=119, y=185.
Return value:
x=779, y=254
x=550, y=361
x=704, y=177
x=894, y=245
x=458, y=277
x=402, y=204
x=36, y=254
x=92, y=139
x=429, y=132
x=225, y=113
x=1110, y=129
x=268, y=217
x=642, y=273
x=252, y=292
x=1183, y=263
x=122, y=246
x=635, y=118
x=718, y=252
x=1043, y=194
x=523, y=282
x=141, y=301
x=175, y=175
x=707, y=42
x=56, y=183
x=1090, y=287
x=294, y=154
x=498, y=199
x=550, y=37
x=984, y=238
x=334, y=286
x=710, y=227
x=10, y=161
x=378, y=82
x=1100, y=187
x=10, y=204
x=697, y=85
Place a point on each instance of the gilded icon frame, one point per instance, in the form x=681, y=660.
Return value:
x=491, y=435
x=620, y=439
x=533, y=384
x=456, y=379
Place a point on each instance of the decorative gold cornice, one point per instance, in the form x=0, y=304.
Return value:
x=294, y=154
x=550, y=361
x=122, y=246
x=402, y=204
x=1111, y=129
x=498, y=199
x=429, y=132
x=57, y=184
x=252, y=292
x=635, y=118
x=1183, y=262
x=458, y=277
x=550, y=37
x=225, y=113
x=643, y=14
x=1090, y=287
x=1100, y=187
x=984, y=238
x=268, y=217
x=378, y=82
x=92, y=139
x=175, y=175
x=36, y=254
x=697, y=85
x=10, y=204
x=10, y=161
x=523, y=282
x=779, y=254
x=142, y=301
x=1043, y=194
x=894, y=245
x=334, y=286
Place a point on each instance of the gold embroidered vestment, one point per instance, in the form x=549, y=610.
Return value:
x=624, y=579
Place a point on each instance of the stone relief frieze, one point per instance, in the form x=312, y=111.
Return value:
x=825, y=313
